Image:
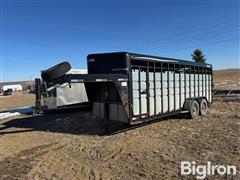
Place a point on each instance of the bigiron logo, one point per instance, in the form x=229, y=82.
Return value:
x=202, y=171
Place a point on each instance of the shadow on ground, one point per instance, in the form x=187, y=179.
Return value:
x=72, y=123
x=76, y=122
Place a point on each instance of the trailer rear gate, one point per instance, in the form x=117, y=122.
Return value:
x=152, y=87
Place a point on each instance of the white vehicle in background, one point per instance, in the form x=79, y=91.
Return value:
x=14, y=87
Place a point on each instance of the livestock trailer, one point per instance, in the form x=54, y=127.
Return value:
x=135, y=88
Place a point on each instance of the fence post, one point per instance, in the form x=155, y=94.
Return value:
x=37, y=108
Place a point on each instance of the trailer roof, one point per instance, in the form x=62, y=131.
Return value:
x=153, y=58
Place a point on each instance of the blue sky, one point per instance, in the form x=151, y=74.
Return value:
x=38, y=34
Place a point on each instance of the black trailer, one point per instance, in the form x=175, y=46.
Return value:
x=135, y=88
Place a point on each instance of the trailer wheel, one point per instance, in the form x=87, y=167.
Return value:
x=194, y=109
x=55, y=71
x=203, y=107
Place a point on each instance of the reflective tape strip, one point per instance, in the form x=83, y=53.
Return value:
x=121, y=79
x=99, y=80
x=77, y=80
x=149, y=58
x=144, y=116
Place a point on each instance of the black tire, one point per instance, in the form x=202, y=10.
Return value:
x=55, y=71
x=203, y=107
x=194, y=109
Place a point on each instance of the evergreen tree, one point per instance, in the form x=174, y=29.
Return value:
x=198, y=56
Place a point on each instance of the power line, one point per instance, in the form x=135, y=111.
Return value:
x=215, y=42
x=210, y=34
x=203, y=33
x=181, y=34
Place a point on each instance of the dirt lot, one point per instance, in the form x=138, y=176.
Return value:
x=71, y=146
x=17, y=99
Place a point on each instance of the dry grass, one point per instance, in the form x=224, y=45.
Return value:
x=229, y=78
x=17, y=99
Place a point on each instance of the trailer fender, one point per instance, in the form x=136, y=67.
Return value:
x=187, y=104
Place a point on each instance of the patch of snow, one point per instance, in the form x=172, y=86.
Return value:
x=8, y=114
x=15, y=112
